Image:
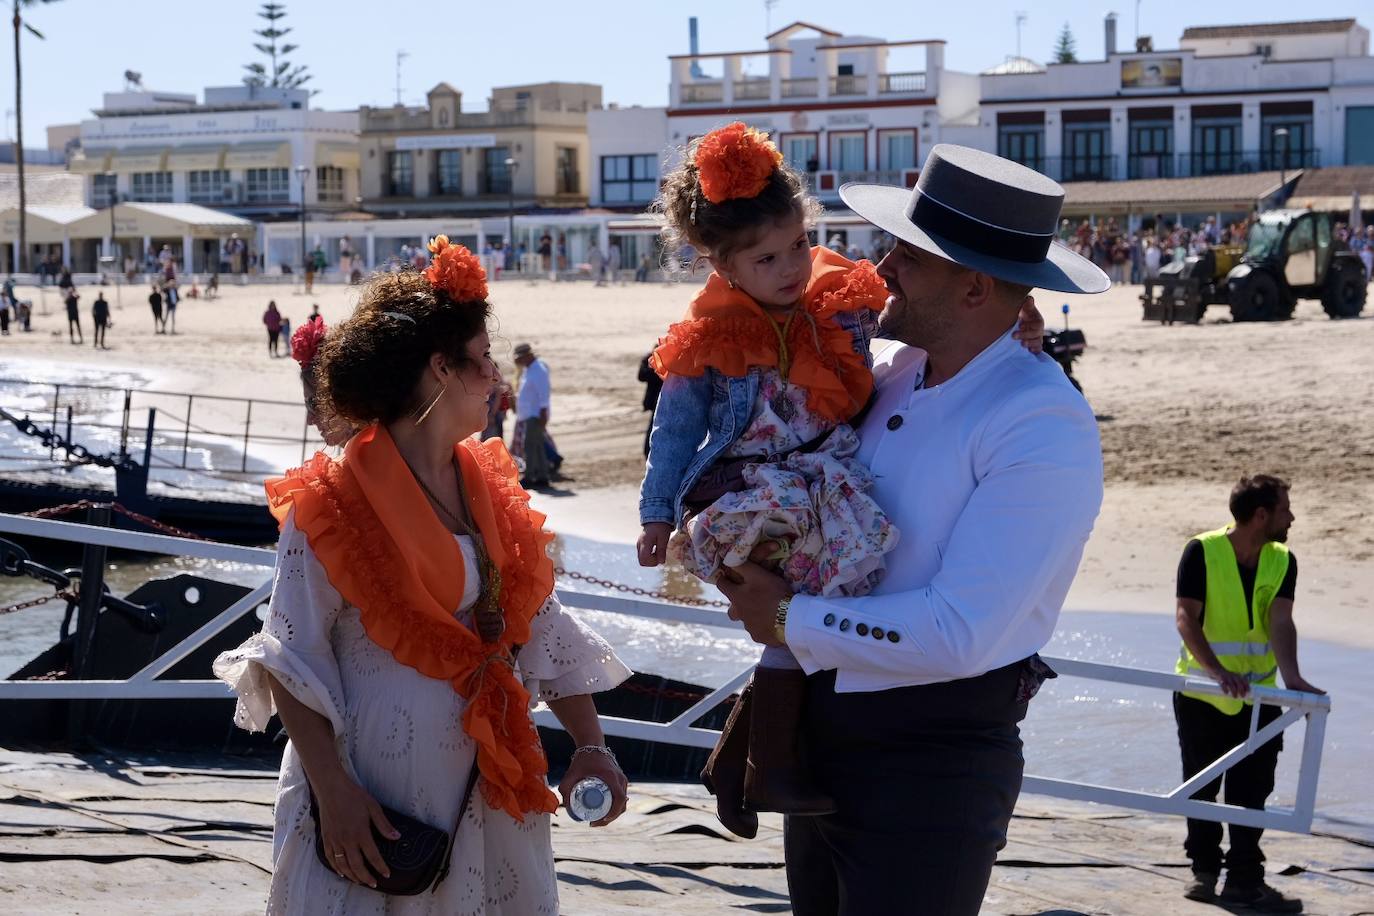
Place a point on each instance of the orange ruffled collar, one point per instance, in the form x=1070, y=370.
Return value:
x=386, y=552
x=728, y=331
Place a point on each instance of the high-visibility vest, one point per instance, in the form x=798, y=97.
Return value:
x=1239, y=636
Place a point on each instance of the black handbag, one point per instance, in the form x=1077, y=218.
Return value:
x=418, y=858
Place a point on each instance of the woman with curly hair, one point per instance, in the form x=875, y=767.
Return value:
x=752, y=452
x=412, y=621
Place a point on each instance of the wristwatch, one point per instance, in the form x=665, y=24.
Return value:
x=780, y=621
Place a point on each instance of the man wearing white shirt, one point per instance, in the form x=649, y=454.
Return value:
x=532, y=415
x=989, y=463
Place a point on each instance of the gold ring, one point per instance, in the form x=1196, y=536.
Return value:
x=338, y=855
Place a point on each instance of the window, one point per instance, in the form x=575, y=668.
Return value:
x=329, y=184
x=1359, y=135
x=496, y=177
x=1290, y=151
x=400, y=173
x=206, y=186
x=799, y=152
x=267, y=186
x=152, y=187
x=848, y=152
x=567, y=179
x=1087, y=152
x=103, y=190
x=1023, y=143
x=896, y=150
x=1216, y=146
x=629, y=179
x=448, y=172
x=1151, y=153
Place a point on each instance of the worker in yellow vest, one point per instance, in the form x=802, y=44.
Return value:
x=1235, y=614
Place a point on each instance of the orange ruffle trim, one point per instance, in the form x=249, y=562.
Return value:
x=381, y=569
x=728, y=331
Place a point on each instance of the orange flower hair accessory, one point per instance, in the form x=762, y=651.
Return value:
x=456, y=270
x=735, y=162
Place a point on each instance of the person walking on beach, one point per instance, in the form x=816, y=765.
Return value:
x=532, y=402
x=73, y=316
x=989, y=460
x=1236, y=587
x=170, y=305
x=100, y=315
x=272, y=320
x=412, y=625
x=155, y=303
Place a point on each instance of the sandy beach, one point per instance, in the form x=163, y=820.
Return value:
x=1183, y=412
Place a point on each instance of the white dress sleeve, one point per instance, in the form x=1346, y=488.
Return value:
x=294, y=644
x=566, y=658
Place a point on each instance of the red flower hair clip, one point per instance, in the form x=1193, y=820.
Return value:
x=456, y=270
x=735, y=161
x=306, y=340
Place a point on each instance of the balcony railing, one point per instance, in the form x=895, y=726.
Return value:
x=703, y=92
x=848, y=84
x=495, y=181
x=752, y=89
x=1074, y=168
x=569, y=181
x=801, y=88
x=1150, y=165
x=901, y=82
x=1237, y=162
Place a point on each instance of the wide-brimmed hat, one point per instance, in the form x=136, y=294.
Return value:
x=985, y=213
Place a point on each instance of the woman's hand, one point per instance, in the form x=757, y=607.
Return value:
x=347, y=816
x=604, y=767
x=1030, y=326
x=653, y=543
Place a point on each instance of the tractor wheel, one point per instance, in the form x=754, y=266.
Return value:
x=1345, y=291
x=1258, y=298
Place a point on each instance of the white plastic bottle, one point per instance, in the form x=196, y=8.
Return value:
x=590, y=800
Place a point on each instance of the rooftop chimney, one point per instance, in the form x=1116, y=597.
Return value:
x=1110, y=28
x=1144, y=44
x=695, y=47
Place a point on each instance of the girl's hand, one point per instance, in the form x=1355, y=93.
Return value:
x=653, y=543
x=608, y=771
x=1030, y=329
x=347, y=816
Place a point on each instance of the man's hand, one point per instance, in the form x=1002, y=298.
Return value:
x=1232, y=684
x=653, y=543
x=1030, y=326
x=1298, y=682
x=754, y=593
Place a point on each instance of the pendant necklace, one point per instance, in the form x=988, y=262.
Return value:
x=782, y=405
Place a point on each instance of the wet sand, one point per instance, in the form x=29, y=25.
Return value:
x=1183, y=410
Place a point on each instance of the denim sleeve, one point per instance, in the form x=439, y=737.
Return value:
x=680, y=422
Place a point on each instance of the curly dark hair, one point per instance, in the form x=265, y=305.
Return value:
x=724, y=228
x=368, y=366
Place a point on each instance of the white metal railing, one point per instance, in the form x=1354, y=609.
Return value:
x=148, y=684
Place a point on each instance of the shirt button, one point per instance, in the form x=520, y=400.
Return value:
x=892, y=636
x=877, y=632
x=844, y=625
x=862, y=629
x=894, y=422
x=829, y=620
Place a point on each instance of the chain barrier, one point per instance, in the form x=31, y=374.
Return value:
x=71, y=597
x=76, y=453
x=639, y=592
x=68, y=508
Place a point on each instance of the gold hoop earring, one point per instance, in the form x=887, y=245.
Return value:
x=731, y=282
x=423, y=411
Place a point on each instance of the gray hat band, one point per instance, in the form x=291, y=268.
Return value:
x=975, y=234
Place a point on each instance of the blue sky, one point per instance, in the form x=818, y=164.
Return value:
x=351, y=46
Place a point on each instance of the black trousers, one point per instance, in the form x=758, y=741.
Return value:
x=1204, y=734
x=925, y=780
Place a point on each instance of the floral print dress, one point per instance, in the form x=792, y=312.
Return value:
x=831, y=536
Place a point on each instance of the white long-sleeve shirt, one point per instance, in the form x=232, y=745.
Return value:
x=534, y=391
x=994, y=479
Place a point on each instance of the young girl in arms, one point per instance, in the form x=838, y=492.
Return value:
x=751, y=455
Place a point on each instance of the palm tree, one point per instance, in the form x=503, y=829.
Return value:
x=19, y=128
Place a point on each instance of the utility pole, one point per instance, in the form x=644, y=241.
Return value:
x=768, y=14
x=1021, y=17
x=1137, y=24
x=400, y=56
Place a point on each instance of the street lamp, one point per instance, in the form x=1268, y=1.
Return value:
x=1281, y=134
x=304, y=172
x=511, y=166
x=116, y=268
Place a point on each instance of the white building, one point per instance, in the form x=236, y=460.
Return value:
x=255, y=152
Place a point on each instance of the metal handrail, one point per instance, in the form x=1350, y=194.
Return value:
x=146, y=684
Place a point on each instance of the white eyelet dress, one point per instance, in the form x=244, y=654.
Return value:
x=401, y=733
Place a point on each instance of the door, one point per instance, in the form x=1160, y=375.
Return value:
x=1301, y=249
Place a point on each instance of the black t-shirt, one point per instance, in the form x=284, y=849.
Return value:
x=1192, y=576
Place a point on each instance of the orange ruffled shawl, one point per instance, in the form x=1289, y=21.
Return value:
x=728, y=331
x=387, y=553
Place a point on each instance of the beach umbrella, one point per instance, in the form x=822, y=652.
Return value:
x=1356, y=224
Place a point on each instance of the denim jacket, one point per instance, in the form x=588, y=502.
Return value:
x=697, y=419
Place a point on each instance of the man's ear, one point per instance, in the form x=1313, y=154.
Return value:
x=979, y=289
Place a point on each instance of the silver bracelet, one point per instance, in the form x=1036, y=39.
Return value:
x=595, y=749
